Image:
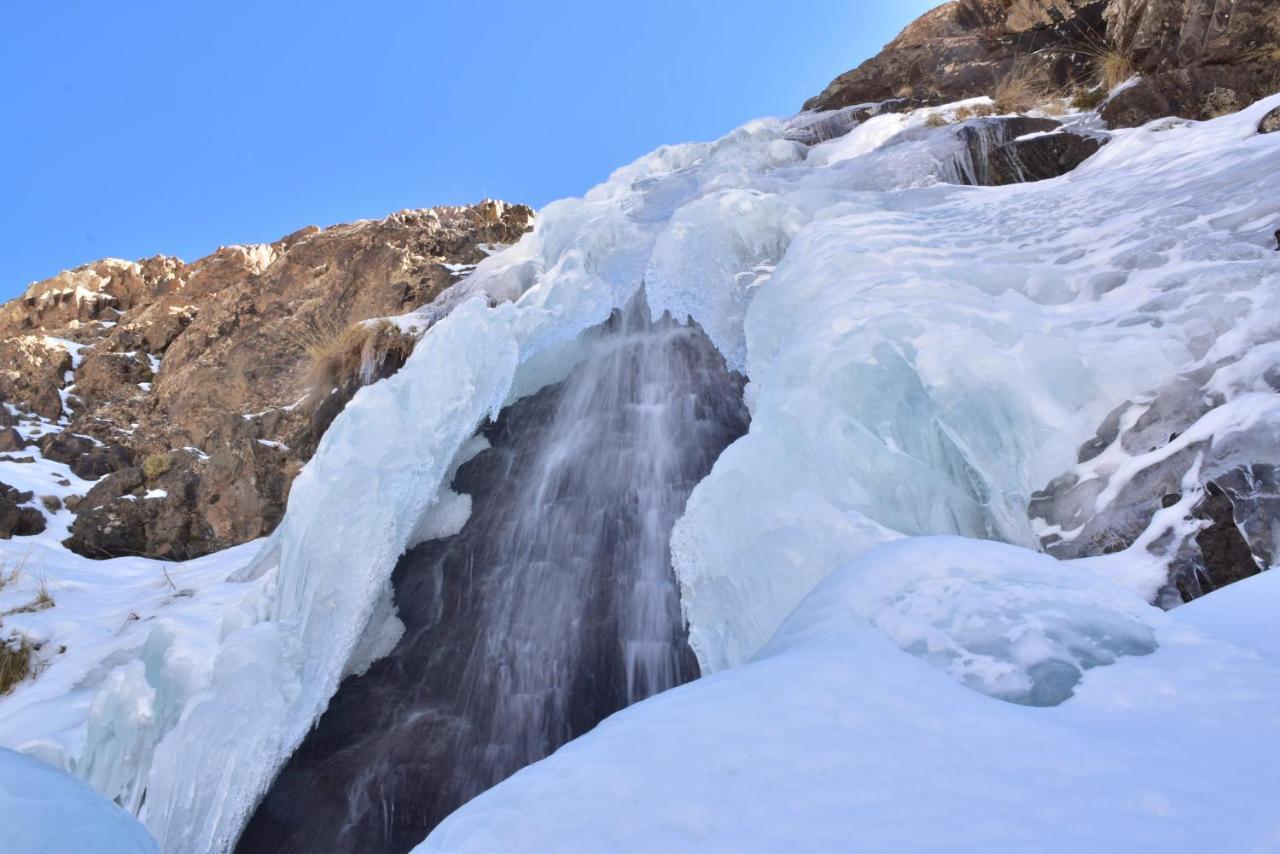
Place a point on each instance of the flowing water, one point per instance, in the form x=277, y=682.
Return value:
x=554, y=607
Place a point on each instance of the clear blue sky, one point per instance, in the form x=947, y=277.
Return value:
x=172, y=126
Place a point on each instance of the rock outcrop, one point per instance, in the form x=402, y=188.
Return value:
x=17, y=520
x=1270, y=122
x=1196, y=58
x=193, y=393
x=1020, y=149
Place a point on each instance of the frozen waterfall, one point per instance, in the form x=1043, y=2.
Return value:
x=552, y=608
x=921, y=359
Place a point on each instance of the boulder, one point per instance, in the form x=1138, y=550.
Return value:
x=1270, y=123
x=11, y=440
x=1197, y=93
x=17, y=521
x=101, y=461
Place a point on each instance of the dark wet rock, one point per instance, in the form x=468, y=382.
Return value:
x=11, y=440
x=1047, y=155
x=15, y=520
x=1270, y=124
x=833, y=124
x=1218, y=554
x=1107, y=433
x=1014, y=150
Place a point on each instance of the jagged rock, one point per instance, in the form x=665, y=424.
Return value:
x=88, y=459
x=1270, y=124
x=1220, y=554
x=104, y=377
x=962, y=49
x=1198, y=58
x=16, y=521
x=1163, y=34
x=101, y=461
x=235, y=336
x=32, y=371
x=11, y=440
x=65, y=447
x=997, y=154
x=1199, y=92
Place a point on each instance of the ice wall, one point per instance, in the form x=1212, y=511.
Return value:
x=921, y=357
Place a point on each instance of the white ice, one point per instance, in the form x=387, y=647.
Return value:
x=921, y=357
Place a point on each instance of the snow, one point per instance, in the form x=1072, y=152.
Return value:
x=922, y=356
x=835, y=739
x=48, y=811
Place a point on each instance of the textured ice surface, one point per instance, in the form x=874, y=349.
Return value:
x=47, y=811
x=922, y=357
x=834, y=739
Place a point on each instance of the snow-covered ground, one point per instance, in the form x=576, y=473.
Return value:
x=922, y=356
x=836, y=739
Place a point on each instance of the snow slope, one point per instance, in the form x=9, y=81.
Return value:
x=921, y=355
x=836, y=739
x=46, y=811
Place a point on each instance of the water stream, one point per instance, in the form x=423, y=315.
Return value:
x=554, y=607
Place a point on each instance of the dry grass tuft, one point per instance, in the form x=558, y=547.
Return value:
x=1112, y=63
x=1088, y=99
x=1019, y=91
x=1112, y=67
x=966, y=113
x=156, y=465
x=17, y=661
x=358, y=354
x=937, y=120
x=43, y=600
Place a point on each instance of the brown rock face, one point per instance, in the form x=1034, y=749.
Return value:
x=1198, y=58
x=963, y=48
x=199, y=384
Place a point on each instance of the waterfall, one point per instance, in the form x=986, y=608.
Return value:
x=554, y=606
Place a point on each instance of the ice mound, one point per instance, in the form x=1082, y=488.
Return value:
x=48, y=811
x=835, y=740
x=1023, y=631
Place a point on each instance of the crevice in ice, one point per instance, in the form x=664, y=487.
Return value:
x=551, y=607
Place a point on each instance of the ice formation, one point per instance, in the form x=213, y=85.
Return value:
x=922, y=357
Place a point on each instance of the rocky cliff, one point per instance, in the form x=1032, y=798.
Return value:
x=1192, y=58
x=188, y=396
